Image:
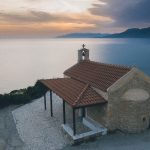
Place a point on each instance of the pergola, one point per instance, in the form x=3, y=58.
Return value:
x=73, y=92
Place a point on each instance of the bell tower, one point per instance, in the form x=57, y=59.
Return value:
x=83, y=54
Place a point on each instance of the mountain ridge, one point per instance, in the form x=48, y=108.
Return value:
x=129, y=33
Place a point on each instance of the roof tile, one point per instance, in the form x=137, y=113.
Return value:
x=98, y=75
x=74, y=92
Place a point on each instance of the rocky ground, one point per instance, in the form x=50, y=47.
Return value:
x=38, y=131
x=9, y=138
x=117, y=141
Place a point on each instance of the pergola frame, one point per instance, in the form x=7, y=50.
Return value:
x=64, y=111
x=76, y=94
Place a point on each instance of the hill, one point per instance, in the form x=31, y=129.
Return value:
x=132, y=33
x=83, y=35
x=129, y=33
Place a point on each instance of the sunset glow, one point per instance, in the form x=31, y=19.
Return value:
x=56, y=17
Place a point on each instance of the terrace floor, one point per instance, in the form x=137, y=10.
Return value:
x=9, y=139
x=37, y=129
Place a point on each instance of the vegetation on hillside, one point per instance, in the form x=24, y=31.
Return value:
x=23, y=96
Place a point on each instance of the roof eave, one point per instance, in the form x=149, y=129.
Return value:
x=121, y=80
x=89, y=105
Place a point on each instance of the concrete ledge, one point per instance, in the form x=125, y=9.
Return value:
x=93, y=125
x=96, y=130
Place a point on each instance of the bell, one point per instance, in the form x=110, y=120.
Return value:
x=83, y=53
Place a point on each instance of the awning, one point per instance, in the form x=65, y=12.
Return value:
x=74, y=92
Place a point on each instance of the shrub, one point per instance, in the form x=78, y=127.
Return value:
x=23, y=96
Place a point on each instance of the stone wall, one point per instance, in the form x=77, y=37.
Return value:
x=98, y=113
x=128, y=107
x=132, y=105
x=80, y=54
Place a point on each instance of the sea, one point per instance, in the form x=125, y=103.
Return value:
x=24, y=61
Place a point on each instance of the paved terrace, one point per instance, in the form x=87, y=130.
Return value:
x=37, y=129
x=45, y=139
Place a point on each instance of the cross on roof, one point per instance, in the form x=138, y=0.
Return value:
x=83, y=45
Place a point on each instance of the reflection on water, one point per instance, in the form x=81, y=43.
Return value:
x=23, y=61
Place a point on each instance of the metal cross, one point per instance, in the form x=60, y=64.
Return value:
x=83, y=45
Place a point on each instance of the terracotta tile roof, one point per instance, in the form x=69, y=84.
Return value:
x=98, y=75
x=74, y=92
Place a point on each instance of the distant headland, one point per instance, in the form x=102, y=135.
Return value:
x=129, y=33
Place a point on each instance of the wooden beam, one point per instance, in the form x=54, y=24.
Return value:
x=83, y=112
x=74, y=122
x=64, y=113
x=45, y=101
x=51, y=103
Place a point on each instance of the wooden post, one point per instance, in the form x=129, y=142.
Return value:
x=45, y=101
x=74, y=122
x=64, y=113
x=51, y=103
x=83, y=112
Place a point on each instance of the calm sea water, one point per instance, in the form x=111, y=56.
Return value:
x=23, y=61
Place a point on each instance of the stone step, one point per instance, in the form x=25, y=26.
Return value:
x=96, y=129
x=95, y=126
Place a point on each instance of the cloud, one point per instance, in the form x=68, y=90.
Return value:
x=43, y=23
x=125, y=13
x=44, y=17
x=62, y=16
x=65, y=16
x=30, y=16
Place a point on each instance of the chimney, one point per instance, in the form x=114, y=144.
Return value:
x=83, y=54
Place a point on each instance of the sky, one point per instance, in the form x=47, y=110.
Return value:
x=50, y=18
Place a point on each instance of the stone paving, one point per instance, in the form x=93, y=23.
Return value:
x=117, y=141
x=9, y=138
x=37, y=129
